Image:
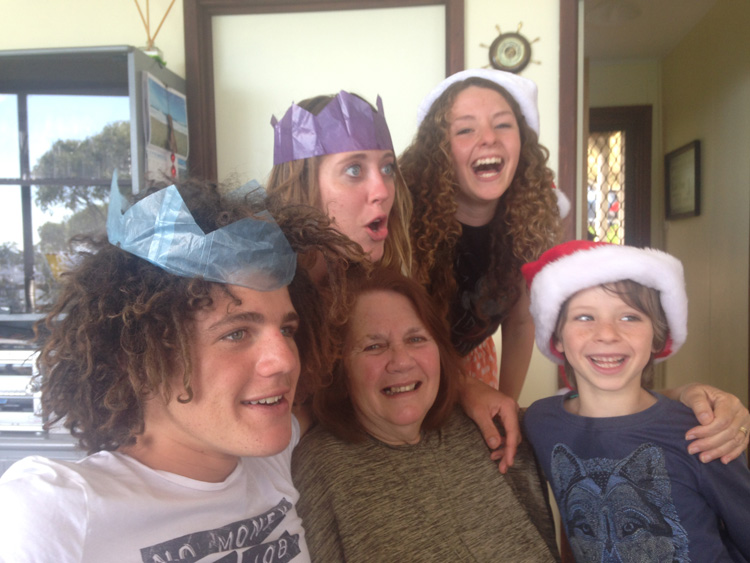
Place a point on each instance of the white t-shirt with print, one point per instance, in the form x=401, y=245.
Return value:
x=109, y=507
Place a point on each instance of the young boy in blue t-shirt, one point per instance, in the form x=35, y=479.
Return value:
x=614, y=452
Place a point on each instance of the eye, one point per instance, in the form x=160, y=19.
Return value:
x=374, y=347
x=632, y=317
x=354, y=170
x=463, y=131
x=388, y=169
x=583, y=318
x=235, y=335
x=290, y=330
x=416, y=339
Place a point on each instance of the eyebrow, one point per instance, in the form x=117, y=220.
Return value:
x=251, y=317
x=408, y=332
x=494, y=115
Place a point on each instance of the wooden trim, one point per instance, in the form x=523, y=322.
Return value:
x=568, y=114
x=567, y=162
x=199, y=71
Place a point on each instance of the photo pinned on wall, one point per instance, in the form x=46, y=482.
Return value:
x=682, y=185
x=166, y=132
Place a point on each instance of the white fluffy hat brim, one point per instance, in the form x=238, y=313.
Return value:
x=562, y=278
x=523, y=90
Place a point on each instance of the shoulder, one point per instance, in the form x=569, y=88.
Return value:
x=45, y=506
x=541, y=409
x=319, y=453
x=673, y=414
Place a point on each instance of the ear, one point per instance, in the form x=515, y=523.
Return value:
x=558, y=345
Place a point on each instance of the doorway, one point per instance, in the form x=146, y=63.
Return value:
x=619, y=175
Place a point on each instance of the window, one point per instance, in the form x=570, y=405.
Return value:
x=68, y=119
x=56, y=171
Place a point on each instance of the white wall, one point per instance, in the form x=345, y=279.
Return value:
x=263, y=62
x=38, y=24
x=705, y=96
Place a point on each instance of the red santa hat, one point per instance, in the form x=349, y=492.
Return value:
x=573, y=266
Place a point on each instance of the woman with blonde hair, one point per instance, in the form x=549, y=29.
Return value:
x=335, y=153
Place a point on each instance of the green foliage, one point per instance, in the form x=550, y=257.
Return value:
x=95, y=157
x=54, y=237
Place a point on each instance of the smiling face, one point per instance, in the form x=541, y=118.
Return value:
x=357, y=190
x=393, y=367
x=244, y=374
x=606, y=341
x=485, y=144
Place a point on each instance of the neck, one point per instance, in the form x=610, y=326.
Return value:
x=475, y=214
x=604, y=404
x=165, y=455
x=406, y=436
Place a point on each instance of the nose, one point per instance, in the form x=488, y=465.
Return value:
x=278, y=355
x=606, y=332
x=380, y=188
x=488, y=134
x=400, y=359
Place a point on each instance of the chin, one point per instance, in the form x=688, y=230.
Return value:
x=376, y=253
x=271, y=441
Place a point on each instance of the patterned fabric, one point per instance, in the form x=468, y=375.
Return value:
x=481, y=363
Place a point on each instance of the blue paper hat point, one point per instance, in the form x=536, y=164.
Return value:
x=252, y=252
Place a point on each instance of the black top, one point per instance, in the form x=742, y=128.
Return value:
x=474, y=317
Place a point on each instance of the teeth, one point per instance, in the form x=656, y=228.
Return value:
x=487, y=161
x=608, y=361
x=267, y=401
x=400, y=389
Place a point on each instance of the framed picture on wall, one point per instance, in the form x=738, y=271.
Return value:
x=682, y=169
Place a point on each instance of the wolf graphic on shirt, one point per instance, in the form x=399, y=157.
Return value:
x=618, y=510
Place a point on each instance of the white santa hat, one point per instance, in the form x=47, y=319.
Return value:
x=522, y=89
x=573, y=266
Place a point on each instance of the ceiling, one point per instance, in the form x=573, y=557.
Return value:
x=638, y=29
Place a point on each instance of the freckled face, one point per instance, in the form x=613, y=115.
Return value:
x=357, y=190
x=245, y=371
x=607, y=342
x=485, y=143
x=393, y=367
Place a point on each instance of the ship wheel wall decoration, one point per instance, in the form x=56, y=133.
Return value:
x=510, y=51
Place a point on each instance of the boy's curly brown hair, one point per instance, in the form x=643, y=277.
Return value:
x=121, y=324
x=526, y=221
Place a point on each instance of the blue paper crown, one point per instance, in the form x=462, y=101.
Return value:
x=251, y=252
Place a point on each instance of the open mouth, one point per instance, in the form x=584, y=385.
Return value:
x=398, y=389
x=485, y=167
x=376, y=225
x=607, y=362
x=270, y=401
x=378, y=228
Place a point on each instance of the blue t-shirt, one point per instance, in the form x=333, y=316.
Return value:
x=628, y=490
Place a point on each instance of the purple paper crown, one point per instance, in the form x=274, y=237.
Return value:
x=348, y=123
